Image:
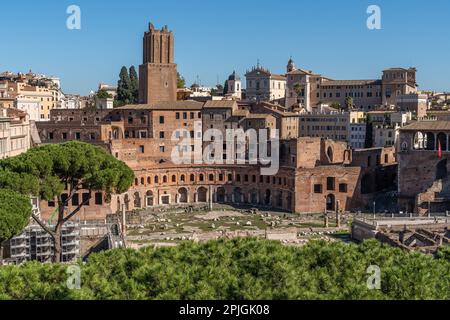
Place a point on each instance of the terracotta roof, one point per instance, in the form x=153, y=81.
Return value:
x=351, y=82
x=277, y=77
x=174, y=105
x=300, y=71
x=220, y=104
x=428, y=125
x=259, y=116
x=240, y=113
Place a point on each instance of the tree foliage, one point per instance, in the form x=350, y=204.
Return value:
x=181, y=83
x=238, y=269
x=124, y=88
x=50, y=170
x=103, y=94
x=134, y=82
x=15, y=213
x=45, y=171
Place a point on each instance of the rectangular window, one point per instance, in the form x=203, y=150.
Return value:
x=161, y=119
x=162, y=149
x=141, y=149
x=98, y=199
x=161, y=134
x=76, y=199
x=85, y=198
x=177, y=115
x=331, y=184
x=343, y=187
x=317, y=188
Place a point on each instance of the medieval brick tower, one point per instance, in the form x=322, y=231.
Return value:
x=158, y=73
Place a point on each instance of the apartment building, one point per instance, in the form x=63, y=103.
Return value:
x=15, y=132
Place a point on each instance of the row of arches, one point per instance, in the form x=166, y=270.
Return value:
x=430, y=141
x=281, y=199
x=212, y=178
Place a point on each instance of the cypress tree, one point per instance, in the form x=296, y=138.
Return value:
x=124, y=94
x=134, y=81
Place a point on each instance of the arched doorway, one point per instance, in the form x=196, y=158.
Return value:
x=254, y=197
x=280, y=199
x=202, y=195
x=442, y=140
x=430, y=141
x=137, y=200
x=331, y=202
x=268, y=197
x=237, y=195
x=182, y=195
x=330, y=153
x=149, y=199
x=220, y=195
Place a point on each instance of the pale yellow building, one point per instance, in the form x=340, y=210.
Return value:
x=15, y=132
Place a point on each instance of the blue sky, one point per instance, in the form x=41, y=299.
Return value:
x=212, y=38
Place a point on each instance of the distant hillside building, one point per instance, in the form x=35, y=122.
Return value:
x=262, y=85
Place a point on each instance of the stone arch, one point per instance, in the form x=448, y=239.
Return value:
x=419, y=141
x=442, y=139
x=202, y=194
x=331, y=202
x=330, y=154
x=430, y=143
x=279, y=202
x=237, y=193
x=182, y=195
x=254, y=197
x=149, y=199
x=268, y=197
x=220, y=195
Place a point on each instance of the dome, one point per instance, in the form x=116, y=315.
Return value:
x=291, y=65
x=234, y=76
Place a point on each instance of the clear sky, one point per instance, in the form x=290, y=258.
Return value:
x=212, y=38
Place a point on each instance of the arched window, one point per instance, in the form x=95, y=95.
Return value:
x=174, y=178
x=419, y=141
x=201, y=177
x=442, y=140
x=330, y=154
x=182, y=178
x=156, y=179
x=164, y=179
x=149, y=180
x=211, y=177
x=192, y=177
